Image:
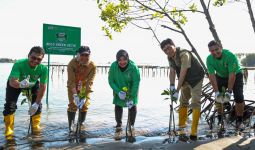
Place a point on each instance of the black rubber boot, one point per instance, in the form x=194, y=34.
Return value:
x=220, y=119
x=133, y=112
x=183, y=137
x=239, y=123
x=82, y=117
x=118, y=115
x=71, y=117
x=193, y=137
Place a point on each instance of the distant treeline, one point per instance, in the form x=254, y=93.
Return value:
x=247, y=59
x=6, y=60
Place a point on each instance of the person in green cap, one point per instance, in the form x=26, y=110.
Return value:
x=224, y=71
x=124, y=79
x=25, y=75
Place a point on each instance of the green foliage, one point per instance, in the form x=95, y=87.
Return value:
x=179, y=16
x=128, y=96
x=167, y=92
x=219, y=3
x=28, y=94
x=118, y=13
x=23, y=101
x=114, y=15
x=157, y=15
x=249, y=60
x=193, y=7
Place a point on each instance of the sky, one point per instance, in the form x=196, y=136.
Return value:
x=22, y=22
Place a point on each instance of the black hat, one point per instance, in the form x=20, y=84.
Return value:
x=84, y=50
x=122, y=53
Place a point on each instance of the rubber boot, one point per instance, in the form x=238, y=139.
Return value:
x=220, y=121
x=195, y=120
x=71, y=117
x=82, y=117
x=36, y=120
x=133, y=112
x=183, y=114
x=118, y=117
x=9, y=126
x=239, y=123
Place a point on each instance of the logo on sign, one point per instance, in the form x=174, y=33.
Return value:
x=61, y=37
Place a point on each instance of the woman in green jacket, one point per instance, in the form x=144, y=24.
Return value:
x=124, y=79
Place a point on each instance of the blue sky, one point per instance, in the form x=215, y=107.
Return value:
x=22, y=21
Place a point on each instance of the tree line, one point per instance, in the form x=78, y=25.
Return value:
x=248, y=60
x=6, y=60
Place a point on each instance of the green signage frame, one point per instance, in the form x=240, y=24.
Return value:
x=61, y=40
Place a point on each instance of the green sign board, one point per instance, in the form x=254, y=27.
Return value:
x=62, y=40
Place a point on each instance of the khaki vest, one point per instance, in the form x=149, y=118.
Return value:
x=194, y=74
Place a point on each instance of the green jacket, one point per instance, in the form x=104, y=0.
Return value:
x=130, y=78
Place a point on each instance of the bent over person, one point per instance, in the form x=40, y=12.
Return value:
x=124, y=79
x=25, y=75
x=190, y=80
x=225, y=73
x=81, y=73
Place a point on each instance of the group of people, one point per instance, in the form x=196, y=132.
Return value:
x=224, y=73
x=124, y=79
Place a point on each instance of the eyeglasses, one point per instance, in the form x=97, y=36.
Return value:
x=36, y=58
x=84, y=55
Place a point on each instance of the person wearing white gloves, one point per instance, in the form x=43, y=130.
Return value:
x=190, y=80
x=81, y=74
x=124, y=80
x=26, y=74
x=224, y=71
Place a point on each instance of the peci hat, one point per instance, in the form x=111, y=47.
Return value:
x=84, y=50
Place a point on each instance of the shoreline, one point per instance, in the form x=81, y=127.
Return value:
x=156, y=143
x=142, y=143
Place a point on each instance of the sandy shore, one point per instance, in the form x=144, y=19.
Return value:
x=228, y=143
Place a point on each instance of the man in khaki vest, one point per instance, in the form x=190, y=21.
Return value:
x=190, y=80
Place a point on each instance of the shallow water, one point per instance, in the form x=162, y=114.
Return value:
x=152, y=117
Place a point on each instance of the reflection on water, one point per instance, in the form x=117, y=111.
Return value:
x=152, y=116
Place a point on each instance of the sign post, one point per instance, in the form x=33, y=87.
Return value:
x=60, y=40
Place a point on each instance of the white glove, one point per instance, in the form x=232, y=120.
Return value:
x=81, y=103
x=24, y=84
x=218, y=97
x=227, y=97
x=175, y=96
x=122, y=95
x=33, y=109
x=76, y=99
x=130, y=104
x=172, y=89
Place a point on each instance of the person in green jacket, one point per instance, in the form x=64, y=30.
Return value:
x=124, y=79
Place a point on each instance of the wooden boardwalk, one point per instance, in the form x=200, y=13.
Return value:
x=145, y=70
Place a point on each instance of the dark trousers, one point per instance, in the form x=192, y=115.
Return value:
x=237, y=89
x=119, y=112
x=12, y=95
